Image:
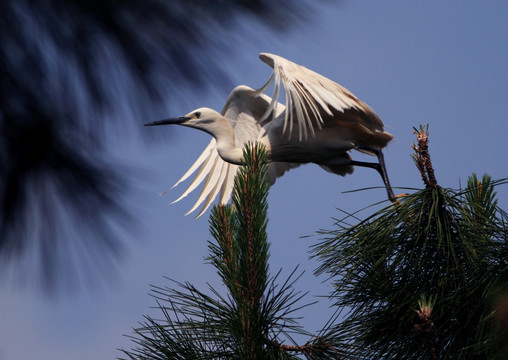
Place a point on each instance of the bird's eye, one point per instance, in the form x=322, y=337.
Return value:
x=197, y=114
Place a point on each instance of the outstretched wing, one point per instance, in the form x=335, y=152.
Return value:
x=311, y=99
x=216, y=174
x=245, y=108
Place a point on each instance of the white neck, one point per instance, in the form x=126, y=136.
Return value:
x=230, y=154
x=226, y=145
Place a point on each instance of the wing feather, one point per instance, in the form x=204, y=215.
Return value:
x=277, y=169
x=311, y=98
x=203, y=172
x=228, y=184
x=204, y=155
x=209, y=182
x=213, y=194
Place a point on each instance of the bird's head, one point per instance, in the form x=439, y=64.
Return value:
x=204, y=119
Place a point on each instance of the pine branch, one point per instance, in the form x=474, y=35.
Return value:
x=250, y=215
x=421, y=156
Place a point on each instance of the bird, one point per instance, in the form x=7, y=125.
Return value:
x=320, y=122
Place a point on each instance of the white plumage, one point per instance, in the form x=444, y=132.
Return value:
x=320, y=122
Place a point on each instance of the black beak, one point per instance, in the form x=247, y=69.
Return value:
x=172, y=121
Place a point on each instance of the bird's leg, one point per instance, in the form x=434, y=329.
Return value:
x=380, y=167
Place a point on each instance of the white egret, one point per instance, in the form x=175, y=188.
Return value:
x=320, y=122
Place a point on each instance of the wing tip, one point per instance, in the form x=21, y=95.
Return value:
x=267, y=58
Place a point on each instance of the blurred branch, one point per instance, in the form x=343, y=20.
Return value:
x=67, y=68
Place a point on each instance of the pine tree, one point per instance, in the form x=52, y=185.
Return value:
x=425, y=278
x=255, y=319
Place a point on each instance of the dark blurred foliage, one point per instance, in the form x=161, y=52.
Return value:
x=66, y=67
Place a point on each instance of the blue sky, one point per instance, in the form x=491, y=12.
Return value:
x=442, y=63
